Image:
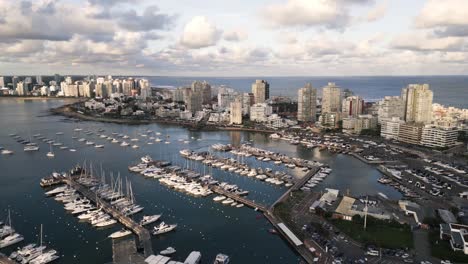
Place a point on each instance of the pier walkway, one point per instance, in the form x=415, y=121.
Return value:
x=238, y=198
x=143, y=234
x=296, y=186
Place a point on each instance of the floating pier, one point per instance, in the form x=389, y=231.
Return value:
x=143, y=234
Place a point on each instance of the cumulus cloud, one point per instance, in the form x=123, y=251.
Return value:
x=199, y=33
x=377, y=12
x=447, y=17
x=151, y=19
x=419, y=41
x=330, y=14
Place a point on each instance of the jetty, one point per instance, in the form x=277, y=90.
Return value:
x=144, y=236
x=239, y=199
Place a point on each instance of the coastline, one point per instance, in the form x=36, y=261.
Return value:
x=68, y=111
x=40, y=98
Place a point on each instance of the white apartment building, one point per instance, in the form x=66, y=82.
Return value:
x=418, y=103
x=390, y=107
x=21, y=89
x=331, y=98
x=352, y=106
x=260, y=112
x=390, y=127
x=307, y=103
x=236, y=112
x=439, y=136
x=225, y=97
x=354, y=125
x=261, y=91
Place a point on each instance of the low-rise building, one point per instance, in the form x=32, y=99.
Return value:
x=350, y=207
x=329, y=119
x=410, y=133
x=390, y=128
x=457, y=235
x=438, y=136
x=260, y=112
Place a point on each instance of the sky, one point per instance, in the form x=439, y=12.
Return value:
x=234, y=37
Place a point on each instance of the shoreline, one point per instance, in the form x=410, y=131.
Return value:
x=40, y=98
x=67, y=111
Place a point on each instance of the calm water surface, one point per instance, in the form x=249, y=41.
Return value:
x=204, y=226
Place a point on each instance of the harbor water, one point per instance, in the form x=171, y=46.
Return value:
x=203, y=225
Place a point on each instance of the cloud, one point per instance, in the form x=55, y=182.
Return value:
x=377, y=12
x=420, y=41
x=447, y=17
x=235, y=35
x=150, y=19
x=305, y=13
x=199, y=33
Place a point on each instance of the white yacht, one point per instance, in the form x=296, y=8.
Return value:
x=106, y=223
x=124, y=144
x=221, y=259
x=50, y=154
x=135, y=146
x=120, y=234
x=11, y=240
x=148, y=219
x=228, y=201
x=146, y=159
x=46, y=257
x=219, y=198
x=99, y=146
x=163, y=228
x=168, y=251
x=7, y=152
x=31, y=148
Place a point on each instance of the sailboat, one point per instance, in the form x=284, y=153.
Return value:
x=12, y=237
x=50, y=154
x=44, y=257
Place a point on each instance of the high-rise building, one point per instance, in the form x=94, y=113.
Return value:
x=439, y=136
x=225, y=97
x=117, y=86
x=39, y=80
x=418, y=103
x=145, y=89
x=194, y=100
x=390, y=107
x=204, y=88
x=127, y=86
x=2, y=81
x=88, y=89
x=68, y=80
x=331, y=98
x=236, y=112
x=352, y=106
x=261, y=91
x=307, y=104
x=15, y=81
x=247, y=102
x=21, y=89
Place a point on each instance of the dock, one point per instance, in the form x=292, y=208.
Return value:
x=142, y=233
x=239, y=199
x=124, y=251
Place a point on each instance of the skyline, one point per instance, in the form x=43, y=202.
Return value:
x=134, y=37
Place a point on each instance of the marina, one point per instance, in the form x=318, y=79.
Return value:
x=175, y=206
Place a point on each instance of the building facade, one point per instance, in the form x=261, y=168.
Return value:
x=260, y=112
x=418, y=103
x=390, y=107
x=204, y=88
x=261, y=91
x=410, y=133
x=439, y=137
x=352, y=106
x=331, y=98
x=236, y=112
x=390, y=127
x=307, y=104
